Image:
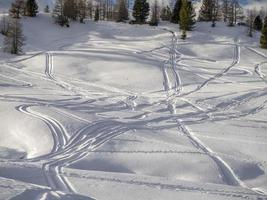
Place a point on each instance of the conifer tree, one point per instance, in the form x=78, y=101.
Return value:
x=123, y=11
x=155, y=14
x=47, y=9
x=258, y=23
x=140, y=11
x=97, y=13
x=14, y=40
x=176, y=12
x=263, y=39
x=31, y=8
x=206, y=10
x=166, y=13
x=184, y=18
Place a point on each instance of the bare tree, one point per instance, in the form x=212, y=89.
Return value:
x=214, y=12
x=14, y=40
x=155, y=14
x=17, y=9
x=123, y=11
x=4, y=24
x=251, y=15
x=81, y=10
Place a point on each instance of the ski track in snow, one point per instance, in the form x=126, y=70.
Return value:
x=227, y=173
x=70, y=148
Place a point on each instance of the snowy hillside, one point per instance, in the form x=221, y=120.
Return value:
x=112, y=111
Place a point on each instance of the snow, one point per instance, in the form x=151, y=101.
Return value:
x=116, y=111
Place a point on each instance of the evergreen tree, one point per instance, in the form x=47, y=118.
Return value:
x=140, y=11
x=16, y=9
x=58, y=14
x=263, y=39
x=47, y=9
x=184, y=18
x=192, y=16
x=14, y=40
x=31, y=8
x=81, y=10
x=258, y=23
x=97, y=13
x=123, y=11
x=176, y=12
x=166, y=13
x=155, y=15
x=206, y=10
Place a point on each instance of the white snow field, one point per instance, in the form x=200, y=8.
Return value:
x=112, y=111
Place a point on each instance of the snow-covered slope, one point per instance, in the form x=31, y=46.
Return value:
x=112, y=111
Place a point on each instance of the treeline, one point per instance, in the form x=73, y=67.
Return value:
x=183, y=14
x=10, y=25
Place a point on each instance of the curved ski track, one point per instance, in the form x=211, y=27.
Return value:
x=70, y=148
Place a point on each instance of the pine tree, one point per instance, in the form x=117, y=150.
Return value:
x=155, y=14
x=176, y=12
x=140, y=11
x=263, y=39
x=184, y=18
x=97, y=13
x=192, y=16
x=258, y=23
x=123, y=11
x=166, y=13
x=31, y=8
x=47, y=9
x=16, y=9
x=14, y=40
x=58, y=14
x=81, y=10
x=206, y=10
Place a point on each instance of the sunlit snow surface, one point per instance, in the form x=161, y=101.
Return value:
x=117, y=111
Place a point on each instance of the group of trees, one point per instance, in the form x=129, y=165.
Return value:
x=11, y=27
x=143, y=12
x=23, y=8
x=183, y=14
x=66, y=10
x=74, y=10
x=232, y=13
